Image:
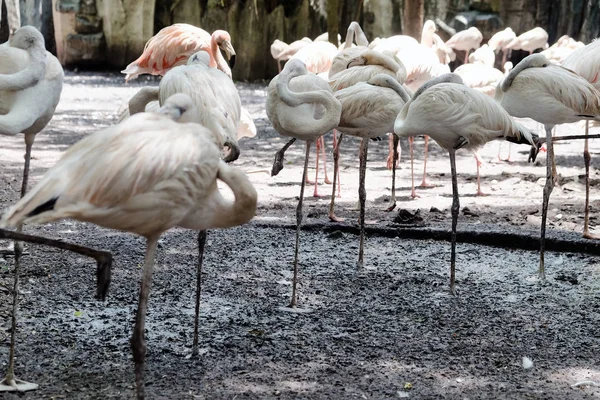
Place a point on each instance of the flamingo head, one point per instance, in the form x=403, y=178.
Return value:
x=429, y=26
x=181, y=108
x=201, y=57
x=223, y=40
x=536, y=60
x=27, y=37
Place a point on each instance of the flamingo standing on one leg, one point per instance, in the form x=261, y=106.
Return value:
x=368, y=111
x=143, y=176
x=586, y=62
x=173, y=45
x=500, y=40
x=301, y=105
x=31, y=81
x=551, y=95
x=456, y=117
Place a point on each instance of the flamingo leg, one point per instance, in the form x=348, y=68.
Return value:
x=278, y=162
x=455, y=210
x=317, y=149
x=424, y=183
x=327, y=180
x=393, y=149
x=294, y=300
x=395, y=140
x=587, y=158
x=547, y=191
x=467, y=56
x=336, y=141
x=336, y=165
x=362, y=196
x=10, y=382
x=201, y=245
x=138, y=343
x=413, y=193
x=479, y=164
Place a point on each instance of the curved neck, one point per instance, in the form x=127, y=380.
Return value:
x=227, y=214
x=398, y=88
x=427, y=38
x=217, y=59
x=510, y=77
x=29, y=76
x=137, y=104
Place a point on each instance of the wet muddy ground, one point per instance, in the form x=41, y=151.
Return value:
x=388, y=331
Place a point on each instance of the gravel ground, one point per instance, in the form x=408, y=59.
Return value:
x=388, y=331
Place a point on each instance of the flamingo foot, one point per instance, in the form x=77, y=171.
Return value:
x=328, y=181
x=588, y=235
x=414, y=194
x=424, y=184
x=391, y=206
x=480, y=193
x=17, y=385
x=335, y=218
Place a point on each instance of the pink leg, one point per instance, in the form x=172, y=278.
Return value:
x=424, y=183
x=327, y=181
x=390, y=158
x=335, y=146
x=467, y=57
x=479, y=164
x=413, y=194
x=318, y=144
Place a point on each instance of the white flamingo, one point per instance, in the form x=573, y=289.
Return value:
x=282, y=51
x=213, y=93
x=500, y=40
x=368, y=111
x=466, y=41
x=143, y=176
x=457, y=117
x=586, y=62
x=301, y=105
x=551, y=95
x=537, y=38
x=31, y=81
x=483, y=55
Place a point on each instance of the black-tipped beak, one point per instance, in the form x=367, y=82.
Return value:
x=234, y=151
x=232, y=61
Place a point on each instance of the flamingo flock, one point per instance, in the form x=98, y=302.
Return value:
x=159, y=166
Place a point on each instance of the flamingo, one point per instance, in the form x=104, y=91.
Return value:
x=422, y=65
x=430, y=39
x=348, y=51
x=500, y=40
x=173, y=45
x=213, y=93
x=318, y=58
x=31, y=81
x=586, y=63
x=551, y=95
x=361, y=69
x=466, y=41
x=13, y=15
x=484, y=79
x=354, y=34
x=283, y=52
x=301, y=105
x=483, y=55
x=144, y=176
x=537, y=38
x=456, y=117
x=562, y=49
x=368, y=111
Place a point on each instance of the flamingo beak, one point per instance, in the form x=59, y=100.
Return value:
x=227, y=47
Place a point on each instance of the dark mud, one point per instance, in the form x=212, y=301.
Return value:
x=388, y=331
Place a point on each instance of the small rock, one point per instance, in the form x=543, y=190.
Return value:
x=527, y=363
x=559, y=216
x=434, y=210
x=403, y=395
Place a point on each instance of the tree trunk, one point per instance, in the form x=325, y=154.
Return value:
x=333, y=20
x=412, y=22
